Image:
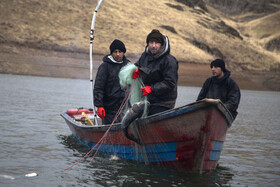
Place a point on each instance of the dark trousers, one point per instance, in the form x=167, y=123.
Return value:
x=153, y=109
x=110, y=115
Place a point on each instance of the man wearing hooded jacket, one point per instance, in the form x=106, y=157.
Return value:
x=221, y=86
x=158, y=70
x=108, y=94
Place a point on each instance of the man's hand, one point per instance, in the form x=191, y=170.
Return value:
x=135, y=74
x=146, y=90
x=101, y=112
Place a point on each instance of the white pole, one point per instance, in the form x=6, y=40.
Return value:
x=90, y=54
x=91, y=36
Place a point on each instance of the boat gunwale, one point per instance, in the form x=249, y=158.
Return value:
x=161, y=116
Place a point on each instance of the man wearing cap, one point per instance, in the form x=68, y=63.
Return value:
x=108, y=94
x=158, y=70
x=221, y=86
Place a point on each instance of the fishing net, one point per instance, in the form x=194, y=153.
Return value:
x=133, y=86
x=151, y=151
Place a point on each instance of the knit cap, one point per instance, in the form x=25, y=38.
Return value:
x=218, y=63
x=156, y=36
x=117, y=44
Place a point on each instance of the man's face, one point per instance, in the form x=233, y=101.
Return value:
x=154, y=47
x=217, y=72
x=117, y=55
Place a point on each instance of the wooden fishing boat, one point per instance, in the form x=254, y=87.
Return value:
x=190, y=137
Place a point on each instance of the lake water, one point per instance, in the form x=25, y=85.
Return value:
x=34, y=138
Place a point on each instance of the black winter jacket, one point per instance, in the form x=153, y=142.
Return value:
x=107, y=90
x=161, y=73
x=224, y=89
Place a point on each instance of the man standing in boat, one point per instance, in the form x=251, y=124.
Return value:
x=108, y=93
x=158, y=70
x=221, y=86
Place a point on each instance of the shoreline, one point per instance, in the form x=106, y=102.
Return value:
x=22, y=60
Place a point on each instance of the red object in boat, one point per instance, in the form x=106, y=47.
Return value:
x=77, y=111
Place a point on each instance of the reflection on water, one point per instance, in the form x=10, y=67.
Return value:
x=34, y=138
x=107, y=172
x=252, y=145
x=71, y=142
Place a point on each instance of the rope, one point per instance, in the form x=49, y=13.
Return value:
x=125, y=100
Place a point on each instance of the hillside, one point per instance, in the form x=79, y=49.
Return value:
x=245, y=35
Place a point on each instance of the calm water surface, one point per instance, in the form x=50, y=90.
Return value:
x=34, y=138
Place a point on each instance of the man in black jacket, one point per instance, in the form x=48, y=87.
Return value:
x=158, y=70
x=221, y=86
x=108, y=94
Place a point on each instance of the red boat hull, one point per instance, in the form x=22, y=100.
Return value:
x=189, y=137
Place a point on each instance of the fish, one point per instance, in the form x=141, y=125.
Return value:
x=130, y=116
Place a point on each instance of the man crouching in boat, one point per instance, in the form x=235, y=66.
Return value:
x=108, y=94
x=221, y=86
x=158, y=70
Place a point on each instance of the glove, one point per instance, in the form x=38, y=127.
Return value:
x=135, y=74
x=146, y=90
x=101, y=112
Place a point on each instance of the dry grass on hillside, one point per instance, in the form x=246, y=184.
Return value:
x=195, y=35
x=263, y=30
